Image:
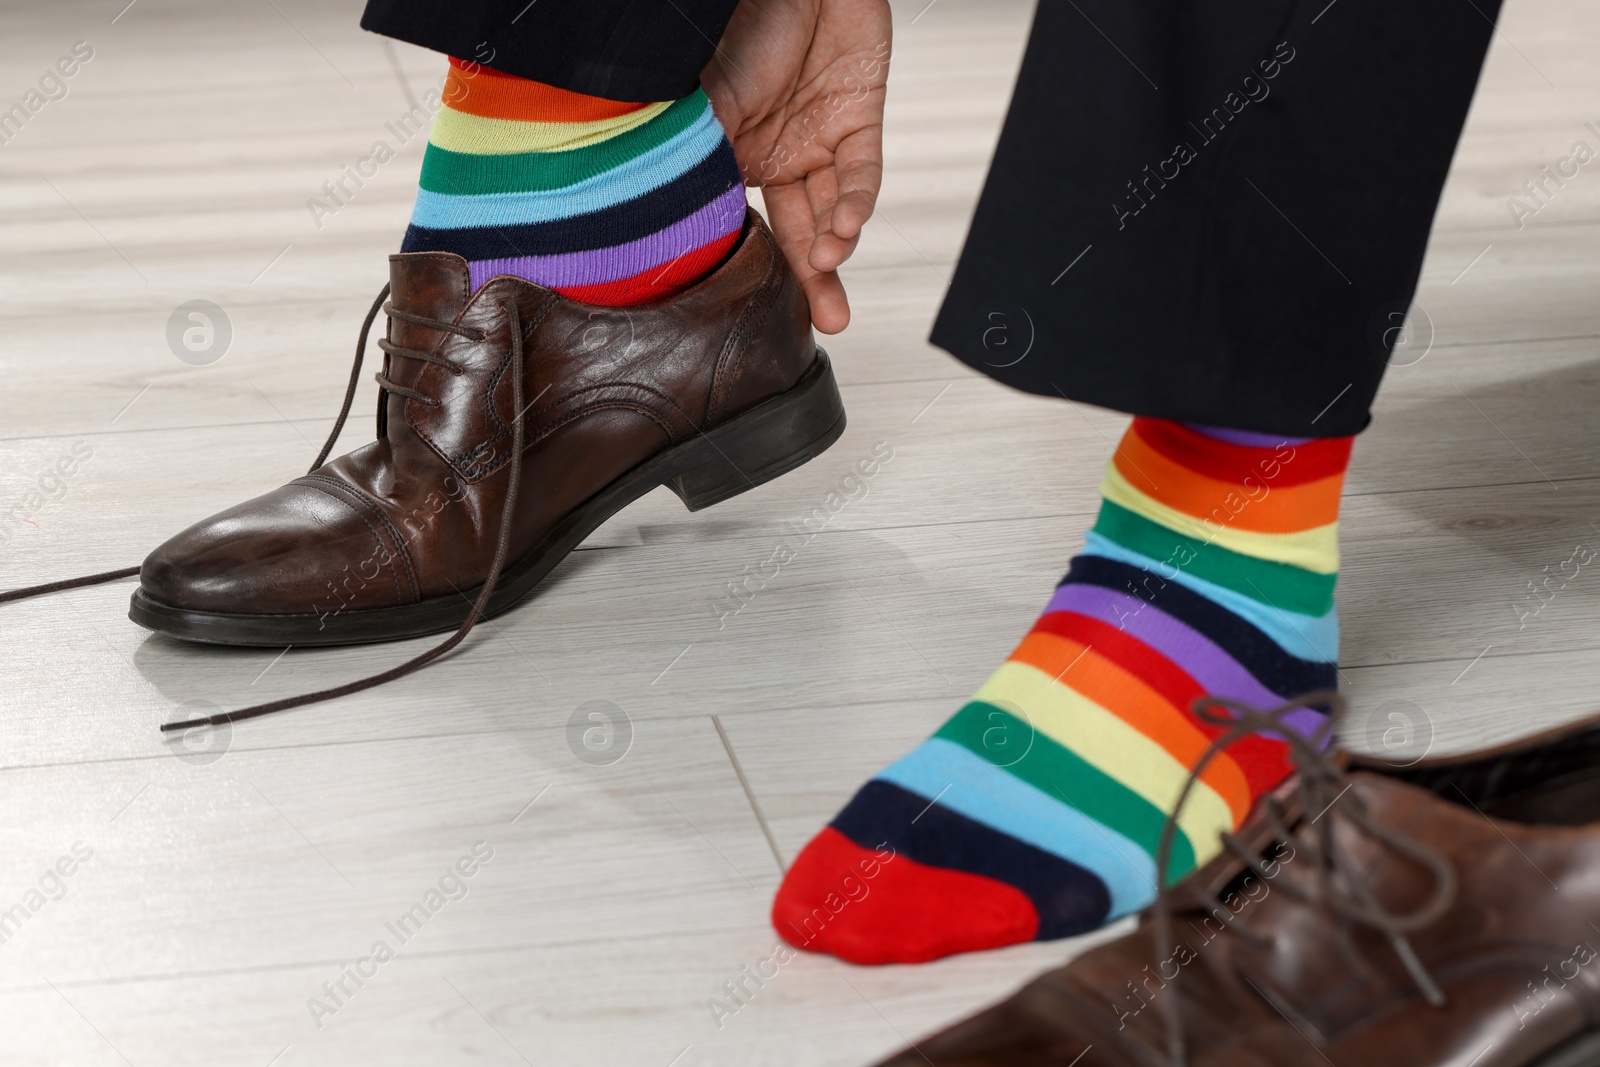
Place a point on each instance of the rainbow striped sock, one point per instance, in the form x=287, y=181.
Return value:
x=1036, y=812
x=604, y=202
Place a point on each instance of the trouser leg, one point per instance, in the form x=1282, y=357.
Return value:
x=1213, y=210
x=634, y=50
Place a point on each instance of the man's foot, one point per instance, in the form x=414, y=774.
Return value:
x=1036, y=812
x=604, y=202
x=1453, y=923
x=710, y=392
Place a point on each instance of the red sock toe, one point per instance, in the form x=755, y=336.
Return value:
x=868, y=906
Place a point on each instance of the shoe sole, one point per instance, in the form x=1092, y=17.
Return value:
x=771, y=439
x=1581, y=1051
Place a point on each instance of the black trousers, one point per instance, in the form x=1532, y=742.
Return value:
x=634, y=50
x=1206, y=210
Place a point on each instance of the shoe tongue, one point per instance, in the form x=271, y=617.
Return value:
x=435, y=285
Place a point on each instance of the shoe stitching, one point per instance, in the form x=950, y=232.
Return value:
x=489, y=465
x=479, y=462
x=765, y=296
x=413, y=574
x=309, y=481
x=527, y=328
x=500, y=427
x=448, y=260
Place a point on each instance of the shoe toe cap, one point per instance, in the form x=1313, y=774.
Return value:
x=295, y=550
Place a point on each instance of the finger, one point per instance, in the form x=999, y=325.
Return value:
x=822, y=189
x=858, y=163
x=793, y=224
x=828, y=251
x=830, y=309
x=789, y=213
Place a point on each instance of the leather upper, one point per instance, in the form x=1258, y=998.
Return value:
x=415, y=513
x=1516, y=954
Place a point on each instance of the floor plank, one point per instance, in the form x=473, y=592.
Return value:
x=222, y=892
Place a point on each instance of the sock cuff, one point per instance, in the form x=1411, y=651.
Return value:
x=478, y=90
x=1283, y=463
x=604, y=201
x=1248, y=438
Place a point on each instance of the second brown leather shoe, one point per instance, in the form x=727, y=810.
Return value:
x=710, y=392
x=1444, y=914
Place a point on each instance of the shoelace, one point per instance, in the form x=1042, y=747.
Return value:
x=503, y=538
x=1339, y=886
x=388, y=384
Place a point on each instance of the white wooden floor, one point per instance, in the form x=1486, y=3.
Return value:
x=224, y=887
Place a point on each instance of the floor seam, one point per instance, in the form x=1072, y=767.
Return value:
x=750, y=795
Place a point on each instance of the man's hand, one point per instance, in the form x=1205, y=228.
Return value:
x=799, y=86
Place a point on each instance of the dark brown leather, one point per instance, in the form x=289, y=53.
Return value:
x=415, y=513
x=1516, y=954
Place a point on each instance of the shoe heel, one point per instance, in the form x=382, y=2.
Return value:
x=771, y=439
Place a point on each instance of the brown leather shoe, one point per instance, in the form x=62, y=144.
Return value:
x=1452, y=921
x=711, y=393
